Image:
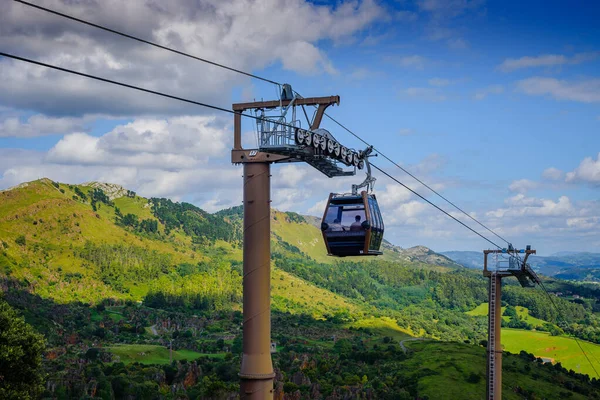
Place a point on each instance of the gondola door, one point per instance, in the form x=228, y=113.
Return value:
x=323, y=221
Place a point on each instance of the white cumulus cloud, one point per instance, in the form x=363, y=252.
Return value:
x=523, y=206
x=41, y=125
x=239, y=33
x=587, y=91
x=523, y=185
x=553, y=174
x=545, y=60
x=174, y=143
x=588, y=171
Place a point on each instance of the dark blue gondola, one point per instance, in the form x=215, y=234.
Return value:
x=352, y=225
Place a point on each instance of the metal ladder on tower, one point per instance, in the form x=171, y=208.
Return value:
x=492, y=336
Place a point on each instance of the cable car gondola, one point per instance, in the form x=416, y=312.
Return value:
x=352, y=224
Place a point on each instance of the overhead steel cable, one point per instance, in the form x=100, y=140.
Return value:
x=415, y=178
x=101, y=79
x=104, y=28
x=141, y=89
x=255, y=77
x=434, y=205
x=563, y=318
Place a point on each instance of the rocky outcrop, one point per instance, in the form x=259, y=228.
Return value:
x=112, y=190
x=19, y=186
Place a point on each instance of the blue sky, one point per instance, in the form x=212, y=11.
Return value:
x=495, y=104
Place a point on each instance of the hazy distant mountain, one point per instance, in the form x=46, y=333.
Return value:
x=563, y=253
x=469, y=259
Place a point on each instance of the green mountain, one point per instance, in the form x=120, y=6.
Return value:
x=111, y=278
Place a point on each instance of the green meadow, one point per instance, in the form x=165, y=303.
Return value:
x=457, y=371
x=523, y=312
x=152, y=354
x=383, y=326
x=560, y=348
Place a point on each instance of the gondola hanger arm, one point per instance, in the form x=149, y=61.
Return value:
x=369, y=181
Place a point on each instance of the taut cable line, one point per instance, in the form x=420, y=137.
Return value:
x=129, y=36
x=141, y=89
x=434, y=205
x=415, y=178
x=148, y=42
x=98, y=78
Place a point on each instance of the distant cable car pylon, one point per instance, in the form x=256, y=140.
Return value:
x=513, y=266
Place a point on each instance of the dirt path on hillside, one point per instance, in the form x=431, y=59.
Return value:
x=404, y=349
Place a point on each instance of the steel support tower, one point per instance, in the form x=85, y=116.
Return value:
x=511, y=266
x=278, y=142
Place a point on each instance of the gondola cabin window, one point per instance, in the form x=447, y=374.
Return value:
x=345, y=217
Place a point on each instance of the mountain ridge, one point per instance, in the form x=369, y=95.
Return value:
x=417, y=253
x=58, y=217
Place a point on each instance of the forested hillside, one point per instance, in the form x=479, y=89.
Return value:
x=111, y=279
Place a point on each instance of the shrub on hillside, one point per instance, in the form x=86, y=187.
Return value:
x=20, y=240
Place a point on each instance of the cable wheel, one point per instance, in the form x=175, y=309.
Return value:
x=343, y=154
x=323, y=144
x=330, y=146
x=317, y=140
x=336, y=149
x=308, y=139
x=300, y=135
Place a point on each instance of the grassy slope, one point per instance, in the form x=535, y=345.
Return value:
x=151, y=354
x=53, y=224
x=541, y=344
x=68, y=224
x=442, y=370
x=304, y=236
x=288, y=289
x=523, y=312
x=560, y=348
x=384, y=326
